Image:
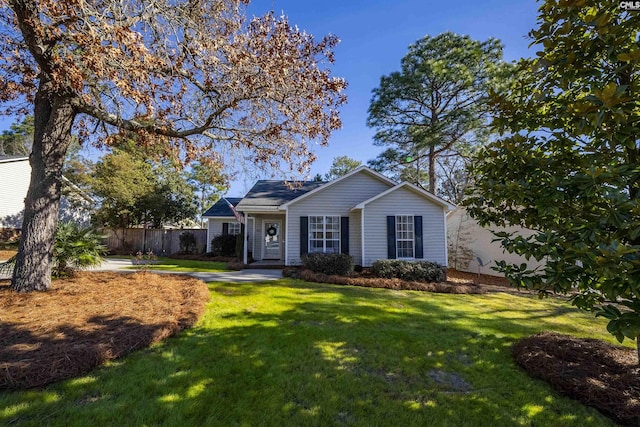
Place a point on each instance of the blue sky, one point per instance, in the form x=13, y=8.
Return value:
x=375, y=35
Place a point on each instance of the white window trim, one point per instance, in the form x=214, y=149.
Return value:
x=324, y=233
x=413, y=239
x=234, y=224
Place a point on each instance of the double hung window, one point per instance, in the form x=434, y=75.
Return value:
x=234, y=228
x=405, y=236
x=324, y=234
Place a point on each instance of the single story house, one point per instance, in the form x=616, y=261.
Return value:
x=472, y=249
x=363, y=214
x=15, y=175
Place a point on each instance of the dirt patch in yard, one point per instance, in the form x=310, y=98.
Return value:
x=84, y=321
x=594, y=372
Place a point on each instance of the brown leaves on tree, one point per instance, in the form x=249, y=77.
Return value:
x=191, y=74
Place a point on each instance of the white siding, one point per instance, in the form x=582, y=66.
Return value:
x=355, y=237
x=14, y=182
x=337, y=199
x=404, y=202
x=469, y=241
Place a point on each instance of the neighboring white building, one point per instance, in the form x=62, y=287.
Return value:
x=15, y=174
x=363, y=214
x=471, y=247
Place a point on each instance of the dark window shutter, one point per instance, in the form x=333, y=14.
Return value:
x=344, y=234
x=225, y=228
x=417, y=231
x=304, y=235
x=391, y=237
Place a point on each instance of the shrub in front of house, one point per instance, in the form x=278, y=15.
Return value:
x=338, y=264
x=420, y=271
x=224, y=245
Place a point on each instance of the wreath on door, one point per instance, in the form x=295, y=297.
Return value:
x=272, y=231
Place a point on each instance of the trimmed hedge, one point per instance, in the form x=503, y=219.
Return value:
x=419, y=271
x=339, y=264
x=395, y=284
x=224, y=245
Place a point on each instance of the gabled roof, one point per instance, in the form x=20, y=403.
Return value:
x=221, y=208
x=433, y=198
x=270, y=194
x=361, y=169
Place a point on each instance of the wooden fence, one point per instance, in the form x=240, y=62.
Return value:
x=161, y=242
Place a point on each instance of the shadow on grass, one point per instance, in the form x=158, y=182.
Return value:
x=313, y=354
x=34, y=360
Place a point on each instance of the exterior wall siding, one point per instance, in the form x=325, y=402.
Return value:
x=338, y=199
x=469, y=241
x=355, y=239
x=14, y=177
x=404, y=202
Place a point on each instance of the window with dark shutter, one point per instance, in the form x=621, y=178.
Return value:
x=304, y=235
x=391, y=237
x=417, y=227
x=344, y=235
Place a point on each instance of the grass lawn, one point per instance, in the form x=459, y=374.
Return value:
x=186, y=265
x=302, y=354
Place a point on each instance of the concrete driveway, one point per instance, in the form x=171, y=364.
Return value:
x=248, y=275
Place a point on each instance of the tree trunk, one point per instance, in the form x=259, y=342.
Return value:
x=52, y=134
x=432, y=169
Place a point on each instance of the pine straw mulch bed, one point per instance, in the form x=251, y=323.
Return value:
x=457, y=282
x=594, y=372
x=83, y=321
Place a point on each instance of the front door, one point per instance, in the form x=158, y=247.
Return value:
x=271, y=239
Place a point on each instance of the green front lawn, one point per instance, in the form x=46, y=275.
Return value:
x=186, y=265
x=295, y=353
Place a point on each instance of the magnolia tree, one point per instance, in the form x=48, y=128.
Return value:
x=193, y=78
x=568, y=164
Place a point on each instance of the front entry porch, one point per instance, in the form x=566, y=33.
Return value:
x=266, y=265
x=265, y=241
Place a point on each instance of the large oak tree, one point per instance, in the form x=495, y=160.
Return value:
x=568, y=164
x=191, y=76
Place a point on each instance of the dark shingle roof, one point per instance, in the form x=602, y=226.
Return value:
x=221, y=208
x=273, y=193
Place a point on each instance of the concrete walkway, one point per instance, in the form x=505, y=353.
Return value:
x=123, y=264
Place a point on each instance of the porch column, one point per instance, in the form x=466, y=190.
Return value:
x=362, y=233
x=246, y=240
